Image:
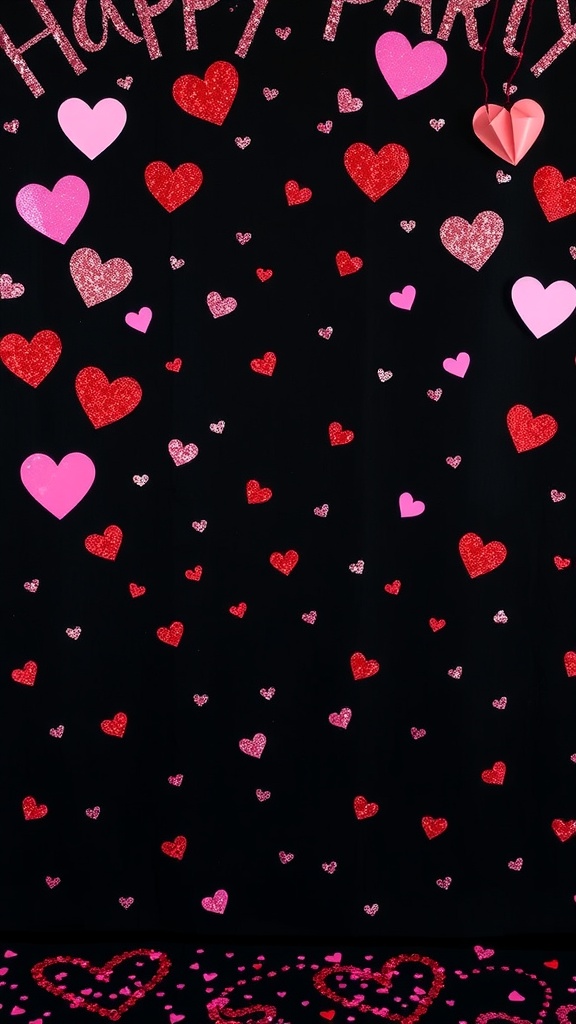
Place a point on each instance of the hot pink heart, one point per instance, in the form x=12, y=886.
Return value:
x=55, y=213
x=58, y=487
x=408, y=70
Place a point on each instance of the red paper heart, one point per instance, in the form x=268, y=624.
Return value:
x=363, y=809
x=385, y=979
x=115, y=726
x=175, y=849
x=376, y=173
x=265, y=365
x=106, y=401
x=25, y=675
x=105, y=545
x=32, y=810
x=172, y=634
x=211, y=97
x=31, y=360
x=170, y=187
x=112, y=1014
x=480, y=558
x=557, y=197
x=528, y=431
x=255, y=494
x=362, y=668
x=348, y=264
x=563, y=829
x=284, y=563
x=570, y=663
x=434, y=826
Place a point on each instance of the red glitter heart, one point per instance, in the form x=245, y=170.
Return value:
x=31, y=360
x=105, y=545
x=528, y=431
x=385, y=978
x=112, y=1014
x=211, y=97
x=557, y=197
x=106, y=401
x=480, y=558
x=376, y=173
x=170, y=187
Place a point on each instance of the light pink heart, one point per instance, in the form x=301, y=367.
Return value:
x=141, y=320
x=58, y=487
x=408, y=70
x=182, y=453
x=409, y=507
x=405, y=298
x=341, y=718
x=97, y=281
x=92, y=129
x=219, y=306
x=347, y=103
x=459, y=366
x=216, y=903
x=10, y=289
x=55, y=213
x=543, y=309
x=472, y=244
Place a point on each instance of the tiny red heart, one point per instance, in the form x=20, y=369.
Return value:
x=175, y=849
x=348, y=264
x=26, y=675
x=172, y=634
x=265, y=365
x=115, y=726
x=553, y=964
x=436, y=624
x=194, y=574
x=255, y=494
x=339, y=436
x=175, y=365
x=264, y=275
x=296, y=195
x=135, y=590
x=363, y=809
x=284, y=563
x=393, y=588
x=238, y=609
x=561, y=563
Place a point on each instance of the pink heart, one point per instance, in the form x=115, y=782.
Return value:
x=408, y=70
x=97, y=281
x=405, y=298
x=269, y=94
x=483, y=954
x=335, y=958
x=10, y=289
x=242, y=142
x=325, y=332
x=32, y=586
x=219, y=306
x=384, y=375
x=217, y=428
x=216, y=903
x=500, y=704
x=473, y=243
x=417, y=734
x=285, y=859
x=55, y=213
x=58, y=487
x=175, y=780
x=210, y=976
x=330, y=868
x=52, y=882
x=263, y=794
x=321, y=510
x=347, y=103
x=268, y=694
x=408, y=225
x=342, y=720
x=454, y=461
x=310, y=617
x=92, y=130
x=139, y=321
x=459, y=366
x=176, y=263
x=515, y=997
x=11, y=126
x=542, y=309
x=255, y=746
x=200, y=699
x=410, y=507
x=200, y=525
x=125, y=902
x=181, y=453
x=58, y=732
x=283, y=33
x=509, y=133
x=176, y=1017
x=325, y=127
x=242, y=238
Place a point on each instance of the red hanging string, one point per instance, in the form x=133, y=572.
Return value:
x=520, y=54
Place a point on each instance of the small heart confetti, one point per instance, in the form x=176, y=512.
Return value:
x=176, y=263
x=437, y=123
x=408, y=225
x=384, y=375
x=12, y=126
x=503, y=178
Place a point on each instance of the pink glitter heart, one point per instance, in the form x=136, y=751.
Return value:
x=455, y=673
x=285, y=857
x=181, y=453
x=269, y=94
x=384, y=375
x=444, y=883
x=437, y=123
x=242, y=141
x=243, y=238
x=58, y=732
x=200, y=699
x=176, y=263
x=126, y=902
x=141, y=480
x=32, y=586
x=217, y=428
x=371, y=910
x=283, y=33
x=357, y=567
x=500, y=617
x=11, y=126
x=74, y=632
x=175, y=780
x=557, y=495
x=310, y=617
x=268, y=694
x=408, y=225
x=500, y=704
x=435, y=394
x=330, y=868
x=417, y=734
x=454, y=461
x=341, y=719
x=10, y=289
x=325, y=127
x=321, y=510
x=52, y=882
x=219, y=306
x=502, y=178
x=200, y=525
x=515, y=865
x=347, y=103
x=263, y=794
x=325, y=332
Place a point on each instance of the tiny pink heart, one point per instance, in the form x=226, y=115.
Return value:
x=268, y=694
x=437, y=123
x=435, y=394
x=175, y=780
x=12, y=126
x=417, y=734
x=384, y=375
x=408, y=225
x=503, y=178
x=219, y=306
x=217, y=428
x=405, y=298
x=125, y=83
x=500, y=704
x=32, y=586
x=262, y=795
x=347, y=103
x=10, y=289
x=500, y=616
x=310, y=617
x=58, y=732
x=269, y=94
x=325, y=127
x=283, y=33
x=321, y=510
x=557, y=495
x=454, y=461
x=285, y=857
x=325, y=332
x=176, y=263
x=330, y=868
x=242, y=141
x=181, y=453
x=200, y=699
x=243, y=238
x=200, y=525
x=141, y=480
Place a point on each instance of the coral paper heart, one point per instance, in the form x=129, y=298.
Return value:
x=211, y=97
x=473, y=243
x=172, y=188
x=106, y=401
x=557, y=197
x=528, y=431
x=509, y=133
x=480, y=558
x=38, y=973
x=385, y=979
x=376, y=173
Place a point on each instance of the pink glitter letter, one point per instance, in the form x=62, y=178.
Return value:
x=190, y=8
x=145, y=14
x=52, y=29
x=109, y=13
x=516, y=15
x=334, y=15
x=425, y=12
x=568, y=38
x=466, y=8
x=250, y=30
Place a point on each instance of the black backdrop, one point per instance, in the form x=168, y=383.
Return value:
x=276, y=431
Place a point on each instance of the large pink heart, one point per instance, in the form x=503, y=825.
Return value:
x=58, y=487
x=509, y=133
x=97, y=281
x=408, y=70
x=92, y=130
x=543, y=309
x=472, y=243
x=55, y=213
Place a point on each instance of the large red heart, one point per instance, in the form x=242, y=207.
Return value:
x=31, y=360
x=480, y=558
x=78, y=1000
x=528, y=431
x=211, y=97
x=106, y=401
x=556, y=196
x=385, y=978
x=172, y=188
x=376, y=173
